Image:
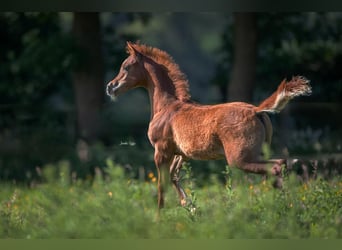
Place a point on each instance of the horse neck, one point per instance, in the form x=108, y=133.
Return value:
x=160, y=88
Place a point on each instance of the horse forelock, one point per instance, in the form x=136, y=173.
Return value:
x=178, y=78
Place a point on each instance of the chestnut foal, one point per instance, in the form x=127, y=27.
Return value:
x=181, y=129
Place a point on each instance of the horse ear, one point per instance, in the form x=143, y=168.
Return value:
x=129, y=48
x=133, y=51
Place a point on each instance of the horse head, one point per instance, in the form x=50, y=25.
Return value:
x=131, y=74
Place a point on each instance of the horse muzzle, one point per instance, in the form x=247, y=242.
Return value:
x=112, y=88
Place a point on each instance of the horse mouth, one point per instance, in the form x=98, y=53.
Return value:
x=112, y=93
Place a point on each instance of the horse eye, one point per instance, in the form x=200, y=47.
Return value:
x=126, y=68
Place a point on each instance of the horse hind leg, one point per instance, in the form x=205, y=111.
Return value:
x=272, y=167
x=174, y=174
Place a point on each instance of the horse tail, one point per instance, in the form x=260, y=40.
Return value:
x=287, y=90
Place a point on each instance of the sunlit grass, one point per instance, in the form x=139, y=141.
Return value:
x=113, y=205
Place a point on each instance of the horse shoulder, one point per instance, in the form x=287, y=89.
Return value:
x=160, y=127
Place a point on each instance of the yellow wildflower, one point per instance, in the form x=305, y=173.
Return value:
x=150, y=175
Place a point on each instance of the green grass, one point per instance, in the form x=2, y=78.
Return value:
x=112, y=205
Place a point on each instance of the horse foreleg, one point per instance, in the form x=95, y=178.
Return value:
x=162, y=162
x=174, y=174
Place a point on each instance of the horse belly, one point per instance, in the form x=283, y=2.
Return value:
x=199, y=146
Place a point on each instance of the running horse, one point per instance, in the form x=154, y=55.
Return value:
x=181, y=129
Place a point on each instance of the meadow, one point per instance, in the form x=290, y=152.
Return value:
x=113, y=205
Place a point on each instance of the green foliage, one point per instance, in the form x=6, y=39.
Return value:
x=188, y=179
x=291, y=44
x=36, y=56
x=36, y=91
x=112, y=205
x=229, y=182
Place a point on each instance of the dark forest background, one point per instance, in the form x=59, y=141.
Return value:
x=55, y=66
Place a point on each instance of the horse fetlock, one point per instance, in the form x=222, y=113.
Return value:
x=277, y=169
x=183, y=202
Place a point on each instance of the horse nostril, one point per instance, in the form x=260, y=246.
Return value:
x=111, y=87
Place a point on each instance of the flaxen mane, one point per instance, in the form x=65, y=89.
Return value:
x=178, y=78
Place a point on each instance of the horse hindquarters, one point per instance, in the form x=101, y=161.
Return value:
x=242, y=146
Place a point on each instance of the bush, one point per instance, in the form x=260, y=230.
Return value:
x=113, y=205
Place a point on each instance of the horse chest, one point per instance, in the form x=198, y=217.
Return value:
x=159, y=130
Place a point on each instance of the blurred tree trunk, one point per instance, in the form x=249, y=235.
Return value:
x=242, y=80
x=88, y=78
